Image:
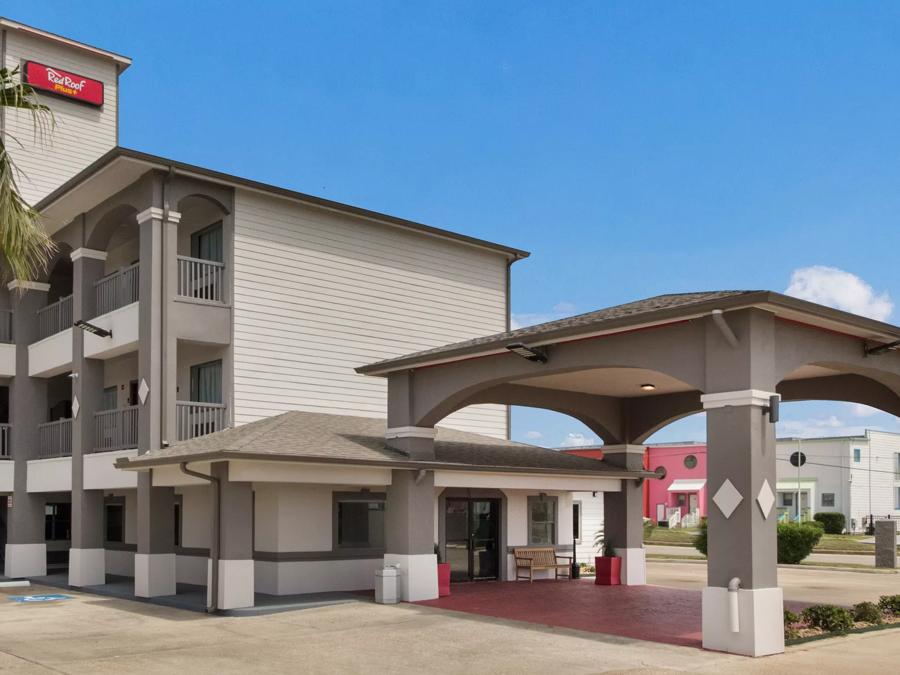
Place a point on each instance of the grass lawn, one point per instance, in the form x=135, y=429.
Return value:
x=829, y=543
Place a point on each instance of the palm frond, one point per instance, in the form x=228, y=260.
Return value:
x=23, y=243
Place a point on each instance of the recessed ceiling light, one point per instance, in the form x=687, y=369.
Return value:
x=648, y=387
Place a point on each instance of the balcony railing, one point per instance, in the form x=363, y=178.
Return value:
x=201, y=279
x=55, y=439
x=198, y=419
x=4, y=441
x=118, y=290
x=6, y=330
x=116, y=429
x=55, y=318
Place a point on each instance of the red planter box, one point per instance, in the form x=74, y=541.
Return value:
x=608, y=571
x=443, y=579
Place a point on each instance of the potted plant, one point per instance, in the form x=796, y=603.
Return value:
x=443, y=573
x=608, y=566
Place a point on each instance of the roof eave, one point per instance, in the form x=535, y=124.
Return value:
x=122, y=61
x=138, y=464
x=162, y=163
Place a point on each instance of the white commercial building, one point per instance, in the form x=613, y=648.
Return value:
x=858, y=476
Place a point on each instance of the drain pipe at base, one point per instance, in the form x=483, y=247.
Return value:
x=733, y=607
x=212, y=604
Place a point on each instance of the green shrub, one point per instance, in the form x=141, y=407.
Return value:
x=890, y=603
x=830, y=618
x=790, y=625
x=868, y=612
x=701, y=540
x=796, y=541
x=833, y=522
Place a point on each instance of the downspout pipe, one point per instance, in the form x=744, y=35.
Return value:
x=212, y=604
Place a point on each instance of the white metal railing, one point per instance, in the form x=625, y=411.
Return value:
x=201, y=279
x=55, y=439
x=194, y=419
x=6, y=329
x=4, y=441
x=116, y=429
x=118, y=289
x=55, y=318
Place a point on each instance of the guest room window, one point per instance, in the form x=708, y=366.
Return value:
x=828, y=499
x=857, y=455
x=206, y=382
x=207, y=244
x=541, y=521
x=359, y=520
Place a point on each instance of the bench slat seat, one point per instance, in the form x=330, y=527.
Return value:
x=541, y=558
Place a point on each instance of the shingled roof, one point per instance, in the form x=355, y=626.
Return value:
x=650, y=311
x=627, y=312
x=346, y=439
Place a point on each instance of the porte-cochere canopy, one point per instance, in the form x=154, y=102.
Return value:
x=685, y=345
x=629, y=370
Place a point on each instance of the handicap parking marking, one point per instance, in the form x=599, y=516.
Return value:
x=39, y=598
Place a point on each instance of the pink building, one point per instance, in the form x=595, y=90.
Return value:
x=683, y=486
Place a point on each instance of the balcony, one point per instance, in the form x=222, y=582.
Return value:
x=55, y=439
x=116, y=429
x=4, y=441
x=7, y=347
x=200, y=279
x=117, y=290
x=193, y=419
x=55, y=318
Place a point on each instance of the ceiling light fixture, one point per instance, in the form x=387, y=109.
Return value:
x=648, y=387
x=535, y=354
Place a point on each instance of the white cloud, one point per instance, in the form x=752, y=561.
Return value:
x=839, y=289
x=860, y=410
x=533, y=435
x=815, y=427
x=561, y=310
x=577, y=440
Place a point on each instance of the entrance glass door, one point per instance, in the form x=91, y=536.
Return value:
x=471, y=539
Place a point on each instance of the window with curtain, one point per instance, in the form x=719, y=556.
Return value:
x=208, y=243
x=828, y=499
x=206, y=382
x=110, y=398
x=541, y=521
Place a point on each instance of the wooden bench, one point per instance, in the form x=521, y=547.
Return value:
x=532, y=559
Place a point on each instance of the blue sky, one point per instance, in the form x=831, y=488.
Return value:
x=634, y=148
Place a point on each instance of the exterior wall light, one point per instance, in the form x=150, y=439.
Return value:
x=648, y=387
x=535, y=354
x=92, y=329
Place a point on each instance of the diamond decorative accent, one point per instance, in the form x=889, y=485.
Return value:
x=76, y=406
x=143, y=391
x=766, y=499
x=727, y=498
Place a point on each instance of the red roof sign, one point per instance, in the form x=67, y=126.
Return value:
x=63, y=83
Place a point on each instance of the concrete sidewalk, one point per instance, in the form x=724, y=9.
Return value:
x=90, y=634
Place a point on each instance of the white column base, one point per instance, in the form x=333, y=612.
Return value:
x=87, y=566
x=634, y=566
x=154, y=574
x=236, y=584
x=760, y=621
x=418, y=575
x=25, y=560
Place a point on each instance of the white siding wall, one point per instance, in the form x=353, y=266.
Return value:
x=884, y=448
x=82, y=134
x=317, y=294
x=591, y=523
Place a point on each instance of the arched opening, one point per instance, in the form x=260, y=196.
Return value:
x=56, y=315
x=202, y=248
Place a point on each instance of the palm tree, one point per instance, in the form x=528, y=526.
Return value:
x=23, y=243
